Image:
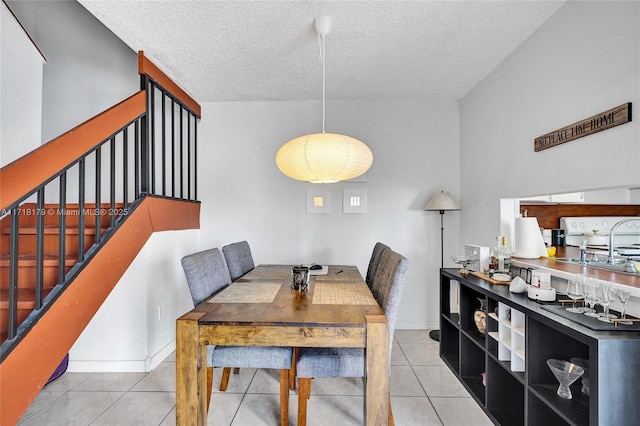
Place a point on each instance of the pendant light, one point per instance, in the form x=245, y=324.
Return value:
x=324, y=157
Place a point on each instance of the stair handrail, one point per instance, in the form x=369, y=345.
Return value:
x=26, y=178
x=22, y=176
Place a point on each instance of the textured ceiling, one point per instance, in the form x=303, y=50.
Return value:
x=377, y=50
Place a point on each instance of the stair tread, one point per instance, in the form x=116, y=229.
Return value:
x=51, y=229
x=26, y=297
x=30, y=260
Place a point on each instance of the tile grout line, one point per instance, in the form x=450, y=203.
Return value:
x=421, y=385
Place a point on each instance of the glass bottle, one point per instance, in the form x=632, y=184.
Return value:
x=494, y=257
x=504, y=260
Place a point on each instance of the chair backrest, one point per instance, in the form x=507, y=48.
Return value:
x=388, y=284
x=206, y=273
x=378, y=248
x=239, y=259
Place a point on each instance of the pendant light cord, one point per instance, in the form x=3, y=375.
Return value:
x=321, y=45
x=323, y=83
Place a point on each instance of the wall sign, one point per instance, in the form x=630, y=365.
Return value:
x=594, y=124
x=354, y=201
x=318, y=201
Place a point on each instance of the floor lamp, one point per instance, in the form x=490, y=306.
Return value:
x=441, y=202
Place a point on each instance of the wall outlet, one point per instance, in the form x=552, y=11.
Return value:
x=161, y=312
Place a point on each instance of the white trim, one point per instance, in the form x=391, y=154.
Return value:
x=123, y=366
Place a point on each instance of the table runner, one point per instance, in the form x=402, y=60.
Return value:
x=248, y=292
x=267, y=272
x=347, y=293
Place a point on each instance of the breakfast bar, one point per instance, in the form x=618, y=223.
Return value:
x=505, y=366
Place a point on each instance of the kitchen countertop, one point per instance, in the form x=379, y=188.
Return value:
x=568, y=270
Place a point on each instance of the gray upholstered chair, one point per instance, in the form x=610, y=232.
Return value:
x=207, y=274
x=378, y=248
x=239, y=259
x=389, y=279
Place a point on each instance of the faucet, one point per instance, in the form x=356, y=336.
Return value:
x=584, y=252
x=610, y=257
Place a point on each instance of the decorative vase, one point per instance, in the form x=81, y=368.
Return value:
x=480, y=317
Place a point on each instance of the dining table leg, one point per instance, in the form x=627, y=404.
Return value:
x=191, y=372
x=376, y=398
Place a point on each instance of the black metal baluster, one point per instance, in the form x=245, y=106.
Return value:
x=12, y=320
x=181, y=155
x=81, y=184
x=62, y=227
x=97, y=211
x=144, y=152
x=112, y=171
x=152, y=138
x=188, y=155
x=164, y=146
x=39, y=248
x=173, y=149
x=136, y=159
x=195, y=157
x=144, y=139
x=125, y=167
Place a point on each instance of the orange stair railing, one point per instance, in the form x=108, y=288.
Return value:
x=63, y=204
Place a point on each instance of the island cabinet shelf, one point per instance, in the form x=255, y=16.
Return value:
x=500, y=356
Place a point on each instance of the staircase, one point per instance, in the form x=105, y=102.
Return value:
x=28, y=245
x=60, y=260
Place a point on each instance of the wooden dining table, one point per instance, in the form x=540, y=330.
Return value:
x=261, y=309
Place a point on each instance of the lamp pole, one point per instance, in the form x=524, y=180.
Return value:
x=440, y=202
x=441, y=238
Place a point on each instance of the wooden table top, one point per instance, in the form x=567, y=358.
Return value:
x=264, y=296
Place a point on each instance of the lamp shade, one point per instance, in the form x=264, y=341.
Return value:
x=442, y=201
x=324, y=158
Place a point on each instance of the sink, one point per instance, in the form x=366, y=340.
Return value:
x=565, y=259
x=619, y=265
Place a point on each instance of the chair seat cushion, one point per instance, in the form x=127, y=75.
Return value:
x=330, y=362
x=249, y=356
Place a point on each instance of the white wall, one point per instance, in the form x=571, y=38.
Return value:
x=134, y=330
x=584, y=60
x=20, y=90
x=88, y=68
x=244, y=195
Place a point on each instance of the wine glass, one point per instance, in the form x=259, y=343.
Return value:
x=574, y=293
x=623, y=296
x=604, y=299
x=589, y=291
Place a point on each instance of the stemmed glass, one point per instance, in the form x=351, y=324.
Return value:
x=566, y=373
x=604, y=299
x=623, y=296
x=464, y=261
x=589, y=291
x=574, y=293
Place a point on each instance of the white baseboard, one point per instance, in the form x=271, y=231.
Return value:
x=417, y=325
x=161, y=355
x=122, y=366
x=107, y=366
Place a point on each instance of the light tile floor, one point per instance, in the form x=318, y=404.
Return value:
x=423, y=392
